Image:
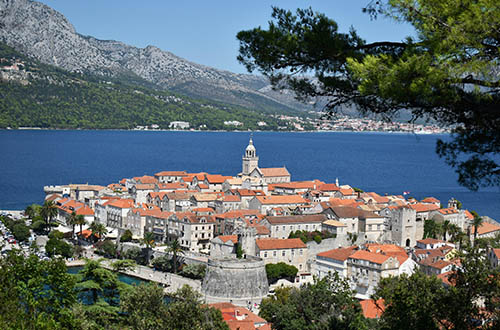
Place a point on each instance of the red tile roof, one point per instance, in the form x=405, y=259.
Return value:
x=468, y=215
x=376, y=258
x=171, y=173
x=329, y=187
x=485, y=228
x=306, y=218
x=122, y=203
x=286, y=199
x=372, y=310
x=340, y=254
x=419, y=207
x=226, y=238
x=275, y=243
x=496, y=252
x=430, y=200
x=145, y=179
x=430, y=241
x=449, y=210
x=274, y=171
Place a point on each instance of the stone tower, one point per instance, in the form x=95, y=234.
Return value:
x=250, y=159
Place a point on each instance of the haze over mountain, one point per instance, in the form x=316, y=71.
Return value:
x=43, y=33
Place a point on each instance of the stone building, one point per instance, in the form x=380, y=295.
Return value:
x=291, y=251
x=282, y=226
x=402, y=226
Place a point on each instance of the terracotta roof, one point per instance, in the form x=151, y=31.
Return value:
x=440, y=264
x=225, y=238
x=231, y=199
x=387, y=249
x=53, y=197
x=445, y=277
x=145, y=186
x=430, y=241
x=204, y=197
x=203, y=209
x=275, y=243
x=329, y=187
x=122, y=203
x=85, y=210
x=307, y=218
x=238, y=214
x=299, y=185
x=88, y=187
x=334, y=223
x=177, y=195
x=145, y=179
x=419, y=207
x=496, y=252
x=485, y=228
x=171, y=173
x=342, y=202
x=285, y=199
x=347, y=191
x=376, y=197
x=376, y=258
x=203, y=186
x=372, y=310
x=430, y=200
x=352, y=212
x=172, y=186
x=274, y=171
x=468, y=215
x=240, y=324
x=262, y=230
x=216, y=178
x=449, y=210
x=340, y=254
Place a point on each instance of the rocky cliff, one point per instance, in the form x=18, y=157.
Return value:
x=39, y=31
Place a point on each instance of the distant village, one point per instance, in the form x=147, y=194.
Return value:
x=363, y=236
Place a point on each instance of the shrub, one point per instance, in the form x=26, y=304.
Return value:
x=196, y=272
x=56, y=246
x=21, y=232
x=127, y=236
x=280, y=270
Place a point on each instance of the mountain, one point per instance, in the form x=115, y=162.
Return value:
x=43, y=33
x=34, y=94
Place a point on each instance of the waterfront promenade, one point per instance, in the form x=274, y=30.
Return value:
x=171, y=282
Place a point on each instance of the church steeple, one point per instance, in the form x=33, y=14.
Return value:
x=250, y=159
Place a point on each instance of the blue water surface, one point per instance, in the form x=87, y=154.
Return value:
x=380, y=162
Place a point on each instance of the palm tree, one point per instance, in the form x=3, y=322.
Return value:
x=98, y=230
x=175, y=248
x=445, y=227
x=149, y=241
x=72, y=221
x=80, y=220
x=477, y=222
x=32, y=210
x=48, y=212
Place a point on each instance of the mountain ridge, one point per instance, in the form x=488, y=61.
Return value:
x=45, y=34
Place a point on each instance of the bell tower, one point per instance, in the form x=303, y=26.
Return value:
x=250, y=159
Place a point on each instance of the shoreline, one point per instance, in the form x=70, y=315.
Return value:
x=216, y=131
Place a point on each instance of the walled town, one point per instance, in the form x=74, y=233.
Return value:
x=235, y=225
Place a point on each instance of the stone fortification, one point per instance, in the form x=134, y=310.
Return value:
x=240, y=281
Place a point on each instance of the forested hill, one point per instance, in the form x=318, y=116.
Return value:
x=34, y=94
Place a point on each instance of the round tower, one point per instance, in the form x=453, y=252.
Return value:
x=250, y=159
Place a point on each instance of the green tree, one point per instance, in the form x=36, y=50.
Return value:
x=32, y=211
x=176, y=249
x=98, y=230
x=80, y=221
x=123, y=265
x=194, y=271
x=57, y=246
x=48, y=213
x=38, y=226
x=21, y=232
x=476, y=222
x=149, y=241
x=326, y=304
x=36, y=294
x=186, y=311
x=445, y=226
x=145, y=307
x=72, y=222
x=411, y=302
x=126, y=236
x=447, y=73
x=162, y=263
x=432, y=229
x=280, y=270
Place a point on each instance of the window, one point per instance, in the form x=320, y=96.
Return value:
x=195, y=228
x=274, y=253
x=283, y=253
x=265, y=254
x=283, y=228
x=300, y=251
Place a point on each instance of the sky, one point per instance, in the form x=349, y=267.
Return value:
x=204, y=32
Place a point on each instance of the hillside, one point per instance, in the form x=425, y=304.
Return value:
x=40, y=95
x=41, y=32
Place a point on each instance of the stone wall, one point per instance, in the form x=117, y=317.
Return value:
x=239, y=281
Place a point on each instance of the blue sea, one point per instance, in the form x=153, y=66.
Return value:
x=380, y=162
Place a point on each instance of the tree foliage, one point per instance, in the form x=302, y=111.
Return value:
x=280, y=270
x=326, y=304
x=447, y=73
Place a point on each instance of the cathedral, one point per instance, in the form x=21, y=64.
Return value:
x=250, y=168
